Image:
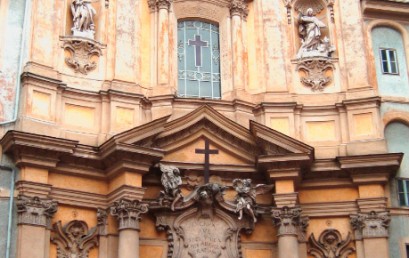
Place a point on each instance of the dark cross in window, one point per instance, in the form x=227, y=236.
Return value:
x=198, y=43
x=206, y=151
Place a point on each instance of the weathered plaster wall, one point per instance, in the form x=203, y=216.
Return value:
x=5, y=178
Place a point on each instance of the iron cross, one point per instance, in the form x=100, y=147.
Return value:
x=206, y=151
x=198, y=44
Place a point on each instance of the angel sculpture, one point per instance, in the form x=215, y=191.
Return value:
x=83, y=15
x=171, y=181
x=246, y=196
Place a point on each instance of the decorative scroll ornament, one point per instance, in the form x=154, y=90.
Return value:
x=246, y=196
x=74, y=240
x=238, y=7
x=81, y=53
x=128, y=213
x=330, y=245
x=83, y=17
x=102, y=217
x=35, y=211
x=171, y=181
x=315, y=70
x=369, y=225
x=289, y=220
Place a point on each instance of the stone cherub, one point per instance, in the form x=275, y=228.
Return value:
x=83, y=17
x=171, y=181
x=246, y=196
x=310, y=32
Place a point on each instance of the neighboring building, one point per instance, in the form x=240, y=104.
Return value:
x=130, y=128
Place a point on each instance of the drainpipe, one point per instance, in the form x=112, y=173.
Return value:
x=11, y=205
x=26, y=23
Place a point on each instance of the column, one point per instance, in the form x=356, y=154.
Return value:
x=34, y=218
x=238, y=12
x=291, y=225
x=163, y=41
x=371, y=233
x=102, y=217
x=128, y=214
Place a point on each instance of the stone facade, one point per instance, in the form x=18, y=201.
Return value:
x=109, y=161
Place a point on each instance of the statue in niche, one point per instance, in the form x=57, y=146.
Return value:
x=310, y=32
x=171, y=181
x=246, y=196
x=83, y=17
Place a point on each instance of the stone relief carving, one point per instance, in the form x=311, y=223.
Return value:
x=373, y=224
x=246, y=196
x=330, y=245
x=203, y=224
x=74, y=240
x=83, y=17
x=238, y=7
x=128, y=213
x=290, y=221
x=102, y=217
x=309, y=28
x=35, y=211
x=171, y=181
x=81, y=54
x=315, y=72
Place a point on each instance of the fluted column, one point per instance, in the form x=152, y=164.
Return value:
x=163, y=7
x=128, y=214
x=34, y=219
x=291, y=225
x=371, y=234
x=238, y=12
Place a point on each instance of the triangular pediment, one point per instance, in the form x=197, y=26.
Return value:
x=179, y=138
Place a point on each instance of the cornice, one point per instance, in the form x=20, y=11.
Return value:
x=397, y=9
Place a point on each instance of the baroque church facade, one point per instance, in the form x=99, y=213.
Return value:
x=204, y=128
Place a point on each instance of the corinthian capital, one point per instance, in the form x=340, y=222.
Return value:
x=290, y=221
x=369, y=225
x=128, y=213
x=35, y=211
x=238, y=7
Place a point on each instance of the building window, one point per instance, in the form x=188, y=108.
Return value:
x=198, y=59
x=403, y=191
x=389, y=62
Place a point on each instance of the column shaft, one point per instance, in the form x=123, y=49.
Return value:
x=287, y=246
x=163, y=46
x=128, y=246
x=237, y=42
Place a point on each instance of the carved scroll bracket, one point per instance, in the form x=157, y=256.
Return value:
x=35, y=211
x=83, y=53
x=290, y=221
x=74, y=239
x=330, y=245
x=370, y=225
x=128, y=213
x=315, y=69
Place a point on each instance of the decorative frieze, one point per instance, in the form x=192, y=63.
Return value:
x=330, y=245
x=35, y=211
x=74, y=239
x=128, y=213
x=316, y=72
x=102, y=217
x=290, y=221
x=238, y=7
x=370, y=225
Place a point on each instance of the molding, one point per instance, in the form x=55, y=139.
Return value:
x=329, y=209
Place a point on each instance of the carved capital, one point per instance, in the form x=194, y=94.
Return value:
x=370, y=225
x=102, y=217
x=152, y=5
x=74, y=239
x=315, y=70
x=128, y=213
x=35, y=211
x=289, y=221
x=330, y=245
x=239, y=8
x=163, y=4
x=81, y=54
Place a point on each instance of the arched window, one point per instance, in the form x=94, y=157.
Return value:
x=198, y=59
x=394, y=133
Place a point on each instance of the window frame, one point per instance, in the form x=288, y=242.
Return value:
x=388, y=61
x=405, y=191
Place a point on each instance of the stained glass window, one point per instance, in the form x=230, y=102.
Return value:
x=198, y=60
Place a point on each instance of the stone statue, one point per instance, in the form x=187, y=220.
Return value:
x=246, y=196
x=83, y=17
x=310, y=32
x=171, y=181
